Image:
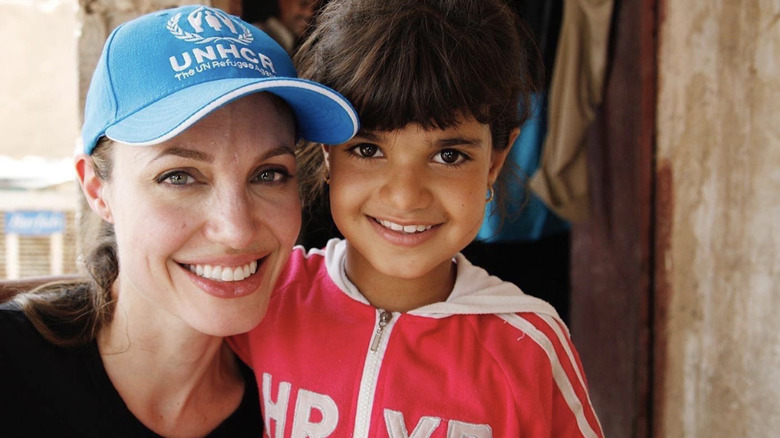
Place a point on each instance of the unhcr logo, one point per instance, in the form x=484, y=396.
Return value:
x=201, y=20
x=221, y=41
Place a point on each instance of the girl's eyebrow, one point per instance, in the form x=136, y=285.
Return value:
x=368, y=135
x=470, y=142
x=454, y=140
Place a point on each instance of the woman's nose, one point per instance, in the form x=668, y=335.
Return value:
x=232, y=219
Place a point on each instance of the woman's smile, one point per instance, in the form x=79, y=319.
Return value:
x=224, y=273
x=228, y=281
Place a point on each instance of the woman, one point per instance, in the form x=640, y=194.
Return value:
x=188, y=159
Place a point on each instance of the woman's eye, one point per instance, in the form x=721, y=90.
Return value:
x=177, y=178
x=449, y=156
x=272, y=176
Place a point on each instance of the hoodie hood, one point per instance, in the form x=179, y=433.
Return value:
x=475, y=291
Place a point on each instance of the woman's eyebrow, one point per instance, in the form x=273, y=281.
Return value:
x=279, y=150
x=184, y=153
x=205, y=157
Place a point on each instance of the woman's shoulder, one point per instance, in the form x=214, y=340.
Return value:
x=23, y=348
x=21, y=345
x=40, y=377
x=14, y=324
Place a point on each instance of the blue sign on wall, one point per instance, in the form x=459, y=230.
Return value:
x=34, y=223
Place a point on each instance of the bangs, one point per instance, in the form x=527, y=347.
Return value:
x=407, y=80
x=418, y=91
x=419, y=66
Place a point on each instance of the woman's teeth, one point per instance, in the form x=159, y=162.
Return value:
x=225, y=273
x=408, y=229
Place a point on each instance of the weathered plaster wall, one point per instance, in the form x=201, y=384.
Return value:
x=38, y=112
x=719, y=179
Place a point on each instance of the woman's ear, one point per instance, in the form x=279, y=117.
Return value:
x=92, y=186
x=498, y=158
x=326, y=155
x=326, y=161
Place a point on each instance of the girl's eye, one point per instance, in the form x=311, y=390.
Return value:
x=367, y=150
x=449, y=156
x=177, y=178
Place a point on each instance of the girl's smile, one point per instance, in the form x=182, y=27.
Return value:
x=407, y=201
x=406, y=229
x=403, y=235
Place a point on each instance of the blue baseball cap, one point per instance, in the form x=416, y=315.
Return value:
x=162, y=72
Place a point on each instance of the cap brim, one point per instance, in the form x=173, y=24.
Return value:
x=323, y=115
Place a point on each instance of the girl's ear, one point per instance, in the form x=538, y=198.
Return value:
x=92, y=186
x=499, y=157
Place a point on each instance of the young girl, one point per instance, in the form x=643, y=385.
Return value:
x=390, y=332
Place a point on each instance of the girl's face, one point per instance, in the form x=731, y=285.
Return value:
x=205, y=221
x=408, y=200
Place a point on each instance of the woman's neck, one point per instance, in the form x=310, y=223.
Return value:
x=175, y=380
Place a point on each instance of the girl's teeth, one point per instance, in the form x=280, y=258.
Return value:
x=408, y=229
x=225, y=273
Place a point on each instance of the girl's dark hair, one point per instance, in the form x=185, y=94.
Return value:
x=427, y=62
x=72, y=312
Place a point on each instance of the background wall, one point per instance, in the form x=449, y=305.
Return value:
x=718, y=258
x=38, y=111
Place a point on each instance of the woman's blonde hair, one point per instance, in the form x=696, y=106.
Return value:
x=72, y=312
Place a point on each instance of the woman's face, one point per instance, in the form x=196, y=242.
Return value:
x=205, y=221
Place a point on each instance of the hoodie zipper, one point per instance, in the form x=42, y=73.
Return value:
x=384, y=319
x=368, y=380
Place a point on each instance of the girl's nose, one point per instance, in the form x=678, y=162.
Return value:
x=406, y=189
